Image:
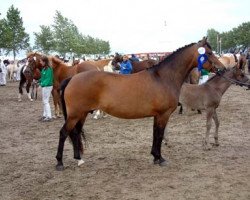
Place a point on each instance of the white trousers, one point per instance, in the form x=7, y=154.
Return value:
x=2, y=78
x=46, y=91
x=203, y=79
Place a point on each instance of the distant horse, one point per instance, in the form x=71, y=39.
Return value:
x=100, y=63
x=61, y=71
x=242, y=61
x=208, y=96
x=152, y=92
x=229, y=60
x=28, y=73
x=12, y=70
x=137, y=66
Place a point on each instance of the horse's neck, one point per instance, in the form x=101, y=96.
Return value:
x=221, y=84
x=61, y=71
x=177, y=69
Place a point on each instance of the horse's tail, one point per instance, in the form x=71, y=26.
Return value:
x=62, y=89
x=78, y=128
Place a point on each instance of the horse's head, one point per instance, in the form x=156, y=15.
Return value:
x=33, y=61
x=33, y=65
x=212, y=63
x=117, y=59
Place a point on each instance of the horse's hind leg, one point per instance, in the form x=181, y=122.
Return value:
x=59, y=156
x=217, y=124
x=76, y=138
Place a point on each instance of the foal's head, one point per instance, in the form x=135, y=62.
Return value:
x=239, y=75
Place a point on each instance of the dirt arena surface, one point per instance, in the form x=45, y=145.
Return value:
x=118, y=164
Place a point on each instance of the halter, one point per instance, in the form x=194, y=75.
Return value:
x=203, y=58
x=221, y=73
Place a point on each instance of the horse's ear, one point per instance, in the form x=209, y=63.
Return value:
x=203, y=41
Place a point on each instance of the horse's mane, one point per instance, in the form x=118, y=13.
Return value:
x=56, y=62
x=34, y=53
x=171, y=56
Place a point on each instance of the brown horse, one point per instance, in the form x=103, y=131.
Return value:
x=29, y=72
x=208, y=96
x=137, y=66
x=61, y=71
x=152, y=92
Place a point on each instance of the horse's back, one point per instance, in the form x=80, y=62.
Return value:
x=86, y=66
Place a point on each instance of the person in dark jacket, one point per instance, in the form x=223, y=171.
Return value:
x=126, y=66
x=134, y=58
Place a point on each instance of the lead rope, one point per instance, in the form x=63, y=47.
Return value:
x=235, y=81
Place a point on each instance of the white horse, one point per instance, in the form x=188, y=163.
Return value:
x=12, y=70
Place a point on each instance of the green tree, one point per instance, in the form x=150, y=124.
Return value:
x=235, y=38
x=213, y=38
x=66, y=34
x=44, y=41
x=242, y=33
x=13, y=35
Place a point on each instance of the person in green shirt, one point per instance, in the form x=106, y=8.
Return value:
x=46, y=82
x=204, y=76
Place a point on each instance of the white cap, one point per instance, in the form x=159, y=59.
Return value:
x=201, y=50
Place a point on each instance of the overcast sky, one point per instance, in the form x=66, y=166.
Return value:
x=133, y=26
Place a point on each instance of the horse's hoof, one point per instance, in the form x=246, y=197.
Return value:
x=31, y=100
x=80, y=162
x=59, y=167
x=162, y=162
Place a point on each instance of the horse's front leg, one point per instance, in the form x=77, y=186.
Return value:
x=217, y=124
x=158, y=134
x=28, y=90
x=210, y=113
x=22, y=81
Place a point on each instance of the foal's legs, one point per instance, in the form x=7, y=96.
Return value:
x=210, y=113
x=217, y=124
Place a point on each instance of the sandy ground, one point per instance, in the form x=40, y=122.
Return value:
x=118, y=161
